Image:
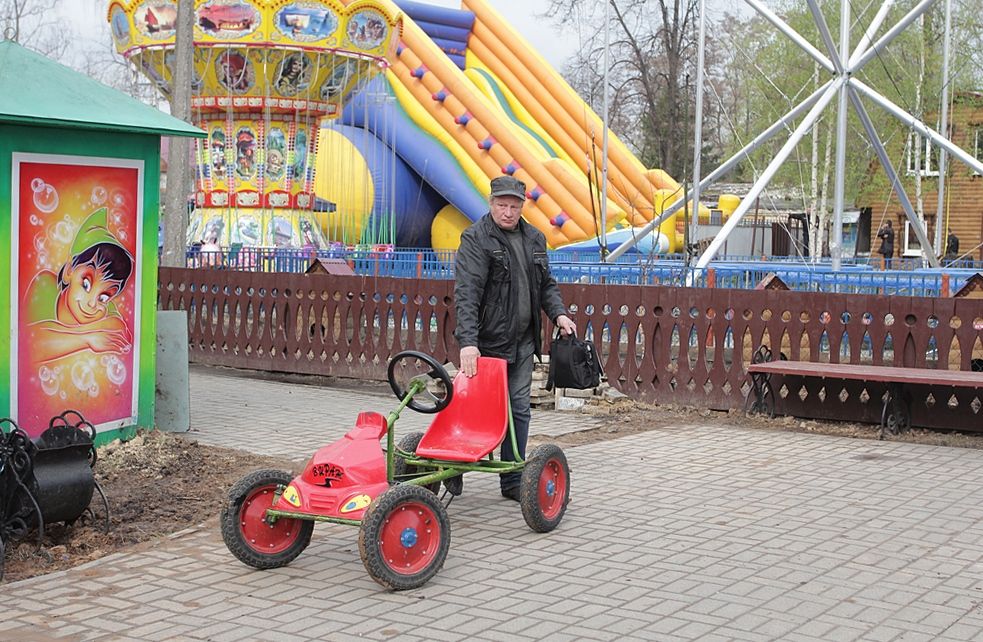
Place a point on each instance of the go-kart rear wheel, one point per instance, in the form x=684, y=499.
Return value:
x=404, y=537
x=545, y=488
x=404, y=472
x=247, y=532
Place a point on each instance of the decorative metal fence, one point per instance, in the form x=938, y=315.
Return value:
x=657, y=344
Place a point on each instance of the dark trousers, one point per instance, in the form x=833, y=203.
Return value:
x=520, y=385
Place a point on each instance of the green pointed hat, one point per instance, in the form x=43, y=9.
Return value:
x=94, y=230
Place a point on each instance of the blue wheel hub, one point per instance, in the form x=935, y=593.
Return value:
x=551, y=488
x=408, y=537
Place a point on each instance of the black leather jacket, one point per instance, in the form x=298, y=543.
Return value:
x=485, y=288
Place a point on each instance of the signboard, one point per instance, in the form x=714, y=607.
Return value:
x=75, y=295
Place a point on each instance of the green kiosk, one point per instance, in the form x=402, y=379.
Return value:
x=79, y=203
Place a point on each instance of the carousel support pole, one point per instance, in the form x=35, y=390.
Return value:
x=766, y=175
x=780, y=124
x=892, y=176
x=836, y=243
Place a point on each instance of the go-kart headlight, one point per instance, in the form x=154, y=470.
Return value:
x=358, y=502
x=292, y=496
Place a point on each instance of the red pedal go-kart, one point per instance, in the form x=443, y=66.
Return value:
x=391, y=493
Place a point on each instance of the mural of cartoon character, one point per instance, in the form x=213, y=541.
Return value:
x=73, y=311
x=211, y=250
x=294, y=74
x=227, y=19
x=367, y=29
x=300, y=156
x=245, y=150
x=234, y=72
x=306, y=23
x=310, y=238
x=218, y=151
x=276, y=148
x=247, y=231
x=156, y=18
x=337, y=81
x=281, y=233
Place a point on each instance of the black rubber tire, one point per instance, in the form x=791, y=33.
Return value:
x=541, y=508
x=377, y=517
x=263, y=482
x=403, y=472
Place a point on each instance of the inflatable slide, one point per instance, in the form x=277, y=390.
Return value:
x=467, y=99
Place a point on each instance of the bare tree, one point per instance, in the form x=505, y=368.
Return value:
x=652, y=49
x=33, y=24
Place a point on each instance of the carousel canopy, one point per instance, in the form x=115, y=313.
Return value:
x=35, y=90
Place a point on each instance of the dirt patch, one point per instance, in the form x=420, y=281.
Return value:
x=157, y=484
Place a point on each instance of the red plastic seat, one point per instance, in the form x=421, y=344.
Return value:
x=475, y=422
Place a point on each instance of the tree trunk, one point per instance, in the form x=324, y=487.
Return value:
x=823, y=213
x=179, y=154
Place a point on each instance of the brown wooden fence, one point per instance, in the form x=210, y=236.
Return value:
x=657, y=344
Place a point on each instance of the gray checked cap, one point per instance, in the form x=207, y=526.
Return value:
x=508, y=186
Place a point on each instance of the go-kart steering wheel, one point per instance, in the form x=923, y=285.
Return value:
x=436, y=372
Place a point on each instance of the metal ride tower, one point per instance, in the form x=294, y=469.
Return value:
x=842, y=66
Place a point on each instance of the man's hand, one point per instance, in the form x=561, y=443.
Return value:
x=566, y=325
x=469, y=360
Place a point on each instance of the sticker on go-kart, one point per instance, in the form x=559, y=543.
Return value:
x=358, y=502
x=330, y=472
x=292, y=496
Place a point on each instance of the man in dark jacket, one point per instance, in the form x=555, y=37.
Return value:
x=886, y=235
x=951, y=246
x=502, y=282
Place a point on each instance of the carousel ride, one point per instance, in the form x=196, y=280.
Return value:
x=267, y=75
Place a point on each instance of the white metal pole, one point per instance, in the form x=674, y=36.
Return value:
x=892, y=176
x=820, y=20
x=920, y=127
x=698, y=135
x=726, y=166
x=836, y=242
x=940, y=208
x=872, y=28
x=893, y=33
x=604, y=136
x=782, y=26
x=766, y=175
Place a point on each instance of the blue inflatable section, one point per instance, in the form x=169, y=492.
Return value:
x=397, y=189
x=419, y=151
x=448, y=28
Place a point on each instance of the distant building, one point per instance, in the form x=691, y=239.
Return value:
x=963, y=211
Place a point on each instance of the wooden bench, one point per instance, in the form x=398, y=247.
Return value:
x=896, y=413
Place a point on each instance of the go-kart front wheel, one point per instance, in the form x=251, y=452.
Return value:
x=404, y=537
x=545, y=488
x=249, y=535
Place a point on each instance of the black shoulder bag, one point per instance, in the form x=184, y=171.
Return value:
x=573, y=363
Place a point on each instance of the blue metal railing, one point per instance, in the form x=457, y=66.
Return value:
x=580, y=266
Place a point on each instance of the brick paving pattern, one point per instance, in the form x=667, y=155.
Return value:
x=683, y=533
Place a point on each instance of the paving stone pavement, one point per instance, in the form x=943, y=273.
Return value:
x=690, y=532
